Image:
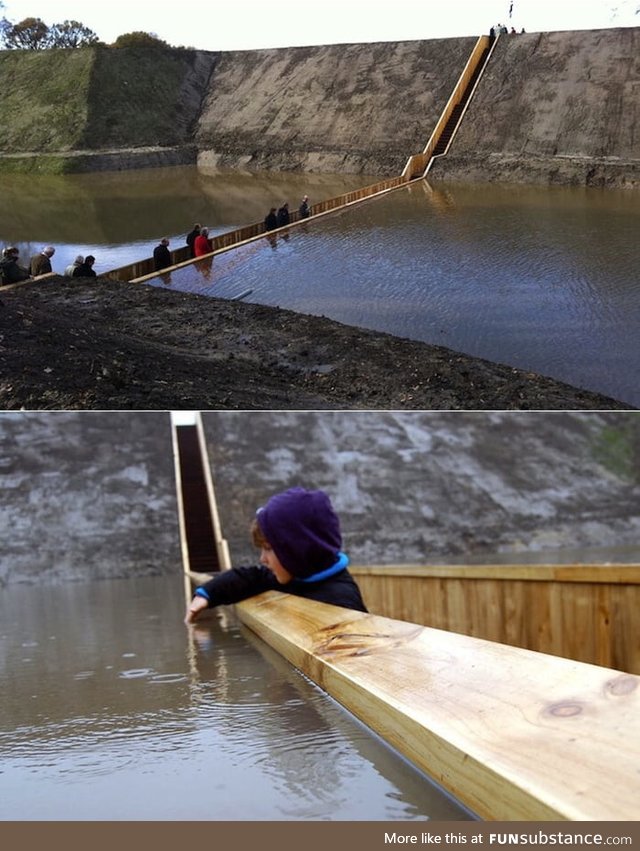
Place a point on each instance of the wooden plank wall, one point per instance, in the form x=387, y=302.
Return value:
x=586, y=613
x=512, y=734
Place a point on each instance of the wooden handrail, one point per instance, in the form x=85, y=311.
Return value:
x=514, y=735
x=592, y=573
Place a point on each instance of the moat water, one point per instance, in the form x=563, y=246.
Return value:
x=112, y=709
x=543, y=279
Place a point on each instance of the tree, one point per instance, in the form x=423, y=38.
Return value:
x=71, y=34
x=34, y=34
x=30, y=34
x=139, y=39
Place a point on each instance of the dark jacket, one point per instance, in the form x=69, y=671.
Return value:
x=304, y=210
x=270, y=221
x=239, y=583
x=11, y=272
x=283, y=217
x=161, y=257
x=191, y=238
x=84, y=271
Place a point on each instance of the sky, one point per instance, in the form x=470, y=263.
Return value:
x=251, y=24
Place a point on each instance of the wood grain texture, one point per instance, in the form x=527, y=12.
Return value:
x=513, y=734
x=583, y=612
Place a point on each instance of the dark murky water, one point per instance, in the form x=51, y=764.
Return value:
x=111, y=711
x=544, y=279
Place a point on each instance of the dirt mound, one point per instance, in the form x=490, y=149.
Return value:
x=107, y=345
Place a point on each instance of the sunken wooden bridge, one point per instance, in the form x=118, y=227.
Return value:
x=512, y=733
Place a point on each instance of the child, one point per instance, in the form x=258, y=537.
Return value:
x=298, y=535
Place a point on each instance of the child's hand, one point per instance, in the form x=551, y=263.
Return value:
x=194, y=608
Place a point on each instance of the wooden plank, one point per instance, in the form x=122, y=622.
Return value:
x=617, y=573
x=515, y=735
x=587, y=613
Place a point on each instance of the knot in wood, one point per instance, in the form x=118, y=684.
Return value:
x=565, y=709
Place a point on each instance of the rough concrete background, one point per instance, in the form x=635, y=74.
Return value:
x=559, y=107
x=362, y=108
x=86, y=496
x=411, y=487
x=92, y=495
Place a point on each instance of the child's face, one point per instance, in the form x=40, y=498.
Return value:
x=270, y=560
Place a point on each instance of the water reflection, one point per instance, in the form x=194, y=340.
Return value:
x=106, y=694
x=544, y=279
x=120, y=216
x=540, y=279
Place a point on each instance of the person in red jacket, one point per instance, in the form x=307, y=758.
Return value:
x=202, y=243
x=298, y=535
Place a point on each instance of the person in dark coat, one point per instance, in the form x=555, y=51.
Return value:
x=283, y=215
x=162, y=255
x=298, y=535
x=41, y=263
x=85, y=270
x=191, y=238
x=271, y=220
x=304, y=210
x=10, y=271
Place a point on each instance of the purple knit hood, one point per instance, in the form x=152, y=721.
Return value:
x=303, y=530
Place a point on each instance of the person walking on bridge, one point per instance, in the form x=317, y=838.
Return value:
x=162, y=255
x=10, y=271
x=191, y=238
x=202, y=243
x=41, y=263
x=304, y=210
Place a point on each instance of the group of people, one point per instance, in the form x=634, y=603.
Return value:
x=11, y=272
x=200, y=243
x=501, y=29
x=279, y=218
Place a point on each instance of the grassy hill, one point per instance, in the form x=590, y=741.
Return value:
x=44, y=99
x=57, y=101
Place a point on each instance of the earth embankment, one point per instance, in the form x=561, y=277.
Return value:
x=92, y=109
x=559, y=107
x=554, y=108
x=121, y=346
x=362, y=108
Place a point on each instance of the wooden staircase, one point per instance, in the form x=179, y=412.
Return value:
x=199, y=531
x=454, y=119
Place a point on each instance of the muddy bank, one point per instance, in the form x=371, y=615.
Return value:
x=109, y=345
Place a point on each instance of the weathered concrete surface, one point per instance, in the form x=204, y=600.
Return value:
x=412, y=487
x=86, y=496
x=92, y=495
x=558, y=108
x=362, y=108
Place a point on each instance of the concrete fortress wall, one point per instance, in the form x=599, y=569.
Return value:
x=559, y=107
x=91, y=495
